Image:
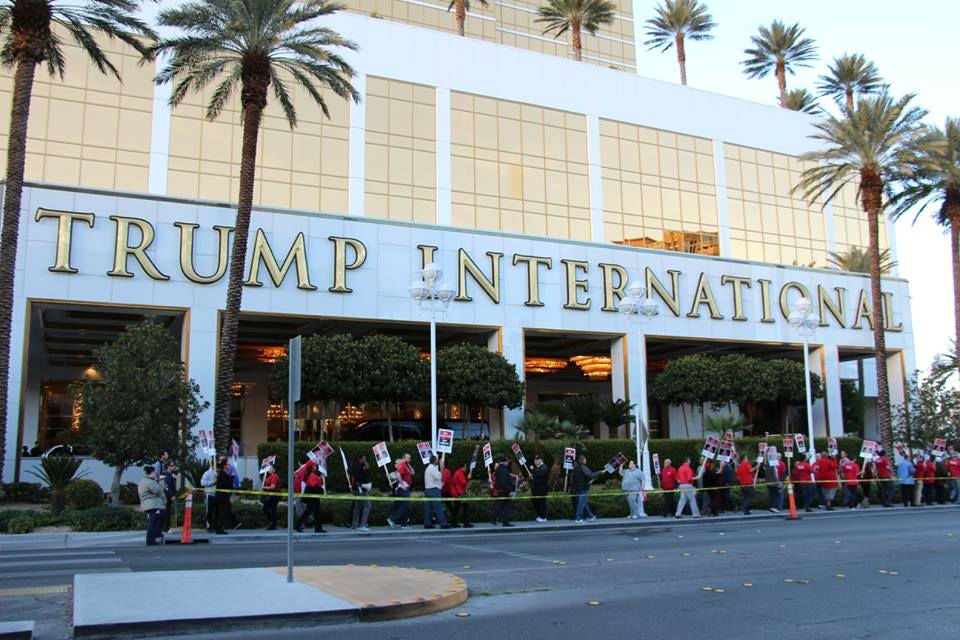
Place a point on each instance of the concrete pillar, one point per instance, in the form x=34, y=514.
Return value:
x=723, y=211
x=356, y=160
x=200, y=345
x=509, y=342
x=820, y=418
x=444, y=161
x=629, y=355
x=619, y=377
x=830, y=357
x=19, y=330
x=897, y=377
x=595, y=169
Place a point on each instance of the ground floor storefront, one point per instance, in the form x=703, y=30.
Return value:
x=92, y=263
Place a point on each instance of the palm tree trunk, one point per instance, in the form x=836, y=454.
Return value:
x=16, y=160
x=849, y=94
x=460, y=11
x=871, y=195
x=952, y=211
x=252, y=114
x=682, y=59
x=782, y=83
x=576, y=40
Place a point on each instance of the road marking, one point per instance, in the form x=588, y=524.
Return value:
x=67, y=572
x=64, y=562
x=56, y=554
x=512, y=554
x=34, y=591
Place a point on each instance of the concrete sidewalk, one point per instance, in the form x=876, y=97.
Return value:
x=174, y=602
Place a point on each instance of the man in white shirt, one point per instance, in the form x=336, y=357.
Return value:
x=209, y=483
x=432, y=482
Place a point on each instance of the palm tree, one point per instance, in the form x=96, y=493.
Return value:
x=801, y=100
x=780, y=49
x=676, y=21
x=857, y=260
x=850, y=74
x=29, y=40
x=935, y=180
x=574, y=16
x=462, y=6
x=869, y=145
x=250, y=45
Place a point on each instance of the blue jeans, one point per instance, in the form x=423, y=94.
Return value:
x=954, y=490
x=155, y=521
x=433, y=508
x=583, y=508
x=401, y=509
x=774, y=496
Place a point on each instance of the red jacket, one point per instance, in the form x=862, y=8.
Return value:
x=802, y=472
x=445, y=477
x=668, y=478
x=406, y=475
x=745, y=472
x=685, y=474
x=883, y=467
x=850, y=471
x=826, y=472
x=312, y=480
x=953, y=466
x=458, y=484
x=929, y=472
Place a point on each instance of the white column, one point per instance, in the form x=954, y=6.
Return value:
x=896, y=378
x=892, y=244
x=829, y=224
x=509, y=341
x=18, y=331
x=160, y=133
x=358, y=148
x=829, y=355
x=200, y=347
x=595, y=168
x=723, y=212
x=618, y=375
x=444, y=162
x=636, y=375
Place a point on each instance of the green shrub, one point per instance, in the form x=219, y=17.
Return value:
x=129, y=494
x=84, y=494
x=29, y=492
x=105, y=519
x=21, y=523
x=37, y=519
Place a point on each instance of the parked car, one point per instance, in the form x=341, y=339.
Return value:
x=379, y=431
x=473, y=431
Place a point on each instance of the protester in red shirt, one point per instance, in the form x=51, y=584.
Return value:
x=953, y=467
x=313, y=486
x=884, y=478
x=745, y=476
x=825, y=471
x=401, y=509
x=668, y=482
x=850, y=471
x=271, y=485
x=929, y=478
x=685, y=479
x=803, y=477
x=457, y=488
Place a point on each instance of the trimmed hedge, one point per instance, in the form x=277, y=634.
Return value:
x=36, y=519
x=105, y=519
x=84, y=494
x=29, y=492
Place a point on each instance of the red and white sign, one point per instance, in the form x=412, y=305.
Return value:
x=569, y=457
x=266, y=463
x=831, y=446
x=728, y=436
x=788, y=448
x=425, y=451
x=519, y=454
x=801, y=443
x=868, y=450
x=901, y=450
x=656, y=463
x=710, y=448
x=762, y=451
x=445, y=440
x=487, y=455
x=615, y=462
x=724, y=451
x=939, y=447
x=381, y=454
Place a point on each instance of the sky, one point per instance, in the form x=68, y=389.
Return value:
x=909, y=42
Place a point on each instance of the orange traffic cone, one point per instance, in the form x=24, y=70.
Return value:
x=793, y=503
x=187, y=536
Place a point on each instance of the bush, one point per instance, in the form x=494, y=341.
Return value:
x=21, y=523
x=129, y=494
x=84, y=494
x=29, y=492
x=105, y=519
x=37, y=519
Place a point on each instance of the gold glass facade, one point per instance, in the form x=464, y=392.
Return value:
x=513, y=23
x=850, y=222
x=519, y=168
x=401, y=151
x=767, y=222
x=659, y=189
x=87, y=128
x=305, y=168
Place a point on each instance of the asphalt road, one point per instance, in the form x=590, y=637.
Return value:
x=875, y=574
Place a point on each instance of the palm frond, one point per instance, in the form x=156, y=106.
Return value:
x=685, y=18
x=802, y=100
x=857, y=260
x=560, y=15
x=778, y=44
x=852, y=73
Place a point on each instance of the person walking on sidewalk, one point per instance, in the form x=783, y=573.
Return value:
x=313, y=481
x=504, y=486
x=539, y=484
x=209, y=483
x=632, y=483
x=825, y=472
x=582, y=477
x=953, y=468
x=224, y=488
x=745, y=473
x=905, y=471
x=168, y=479
x=685, y=479
x=668, y=484
x=929, y=480
x=401, y=510
x=884, y=478
x=773, y=478
x=850, y=471
x=152, y=502
x=803, y=478
x=271, y=486
x=432, y=483
x=457, y=490
x=360, y=511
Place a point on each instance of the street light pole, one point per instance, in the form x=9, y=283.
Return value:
x=805, y=323
x=641, y=308
x=430, y=289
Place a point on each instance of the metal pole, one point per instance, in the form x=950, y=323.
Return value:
x=643, y=452
x=806, y=375
x=293, y=395
x=433, y=377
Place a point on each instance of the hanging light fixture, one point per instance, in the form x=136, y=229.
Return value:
x=544, y=365
x=594, y=367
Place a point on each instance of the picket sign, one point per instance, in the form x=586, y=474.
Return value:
x=710, y=448
x=801, y=443
x=788, y=448
x=444, y=440
x=831, y=446
x=724, y=451
x=425, y=451
x=868, y=450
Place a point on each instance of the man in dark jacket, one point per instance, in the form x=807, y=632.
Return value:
x=503, y=487
x=582, y=476
x=224, y=492
x=168, y=479
x=538, y=487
